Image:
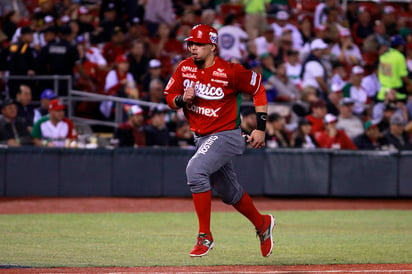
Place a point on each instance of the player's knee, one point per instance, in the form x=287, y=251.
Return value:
x=197, y=181
x=231, y=198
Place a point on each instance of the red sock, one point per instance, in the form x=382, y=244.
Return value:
x=203, y=207
x=248, y=209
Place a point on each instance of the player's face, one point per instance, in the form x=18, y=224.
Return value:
x=200, y=52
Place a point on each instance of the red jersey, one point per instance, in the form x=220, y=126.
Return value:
x=218, y=91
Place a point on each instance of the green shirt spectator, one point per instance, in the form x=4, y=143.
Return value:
x=392, y=70
x=255, y=6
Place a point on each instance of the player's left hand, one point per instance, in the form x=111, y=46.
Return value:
x=256, y=139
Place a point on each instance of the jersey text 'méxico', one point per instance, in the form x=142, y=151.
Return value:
x=218, y=93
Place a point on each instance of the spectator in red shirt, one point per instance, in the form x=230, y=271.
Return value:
x=332, y=137
x=116, y=46
x=316, y=117
x=131, y=133
x=164, y=46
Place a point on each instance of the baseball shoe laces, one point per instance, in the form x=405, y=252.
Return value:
x=204, y=243
x=265, y=235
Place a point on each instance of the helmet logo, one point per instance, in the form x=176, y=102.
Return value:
x=213, y=37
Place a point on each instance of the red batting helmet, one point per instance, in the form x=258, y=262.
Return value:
x=203, y=34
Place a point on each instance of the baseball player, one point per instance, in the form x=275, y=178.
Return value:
x=209, y=91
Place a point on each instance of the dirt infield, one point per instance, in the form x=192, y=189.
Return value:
x=93, y=205
x=102, y=204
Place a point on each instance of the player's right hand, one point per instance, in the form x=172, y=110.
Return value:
x=189, y=94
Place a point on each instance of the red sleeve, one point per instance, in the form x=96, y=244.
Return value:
x=250, y=82
x=72, y=134
x=323, y=140
x=174, y=87
x=346, y=141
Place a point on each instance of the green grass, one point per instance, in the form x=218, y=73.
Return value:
x=164, y=239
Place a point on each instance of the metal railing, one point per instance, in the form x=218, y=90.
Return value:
x=82, y=96
x=54, y=78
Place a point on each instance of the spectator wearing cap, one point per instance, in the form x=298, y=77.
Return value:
x=43, y=109
x=333, y=138
x=131, y=133
x=318, y=32
x=119, y=82
x=24, y=105
x=276, y=135
x=334, y=98
x=60, y=58
x=372, y=138
x=138, y=61
x=93, y=64
x=164, y=46
x=347, y=121
x=157, y=12
x=109, y=20
x=48, y=35
x=363, y=27
x=183, y=136
x=317, y=116
x=116, y=46
x=389, y=109
x=302, y=138
x=232, y=40
x=54, y=129
x=21, y=60
x=392, y=71
x=354, y=90
x=13, y=129
x=157, y=133
x=345, y=51
x=397, y=136
x=154, y=72
x=282, y=24
x=313, y=70
x=248, y=120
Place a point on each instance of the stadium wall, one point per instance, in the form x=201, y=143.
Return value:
x=155, y=172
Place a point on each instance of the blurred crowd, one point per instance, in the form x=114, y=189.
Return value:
x=337, y=74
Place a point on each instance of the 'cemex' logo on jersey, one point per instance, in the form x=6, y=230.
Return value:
x=205, y=91
x=209, y=112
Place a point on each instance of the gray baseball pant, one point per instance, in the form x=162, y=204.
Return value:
x=211, y=166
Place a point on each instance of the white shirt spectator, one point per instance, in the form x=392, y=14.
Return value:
x=293, y=73
x=360, y=96
x=313, y=69
x=352, y=126
x=371, y=84
x=230, y=42
x=352, y=53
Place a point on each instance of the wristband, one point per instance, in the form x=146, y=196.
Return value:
x=179, y=101
x=261, y=121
